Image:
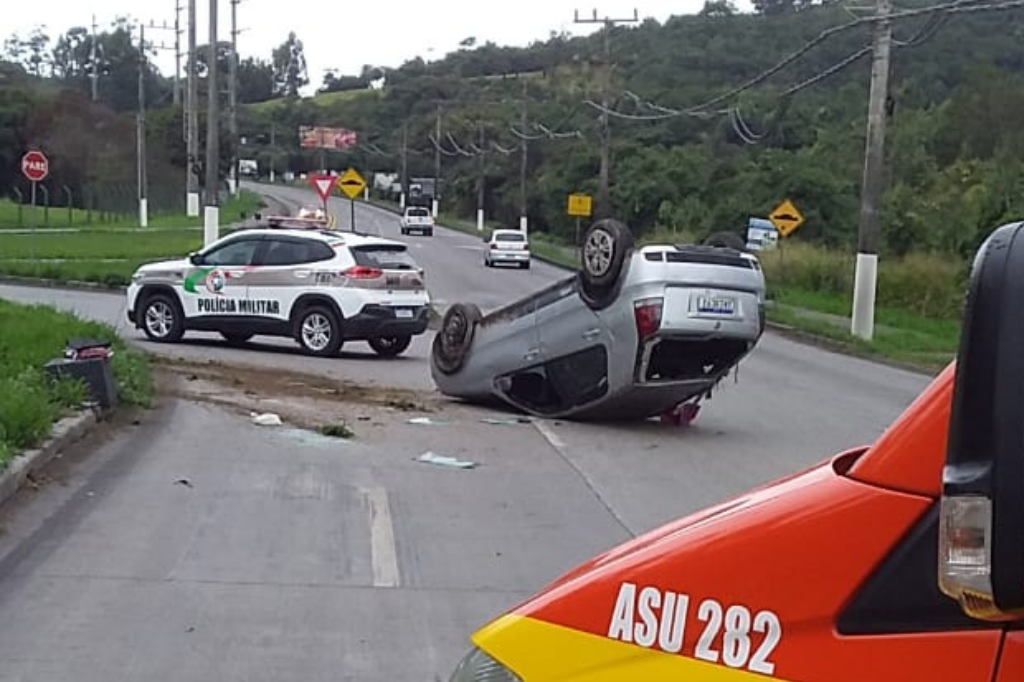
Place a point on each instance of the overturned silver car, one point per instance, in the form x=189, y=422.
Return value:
x=637, y=333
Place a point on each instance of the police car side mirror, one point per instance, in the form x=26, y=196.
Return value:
x=195, y=258
x=981, y=535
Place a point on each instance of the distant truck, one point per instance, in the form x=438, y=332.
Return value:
x=417, y=219
x=248, y=167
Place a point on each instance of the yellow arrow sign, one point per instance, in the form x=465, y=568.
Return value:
x=352, y=183
x=786, y=218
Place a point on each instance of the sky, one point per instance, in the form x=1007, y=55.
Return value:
x=343, y=36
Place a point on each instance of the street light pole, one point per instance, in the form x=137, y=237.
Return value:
x=212, y=217
x=233, y=96
x=140, y=133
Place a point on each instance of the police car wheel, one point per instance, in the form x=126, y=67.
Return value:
x=390, y=346
x=318, y=331
x=162, y=319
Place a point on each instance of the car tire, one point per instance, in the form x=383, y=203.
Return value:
x=236, y=338
x=606, y=245
x=162, y=319
x=318, y=331
x=524, y=266
x=429, y=233
x=390, y=346
x=455, y=337
x=728, y=240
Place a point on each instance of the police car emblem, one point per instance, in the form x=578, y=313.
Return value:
x=215, y=282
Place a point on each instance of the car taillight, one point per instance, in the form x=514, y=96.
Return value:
x=647, y=313
x=363, y=272
x=526, y=245
x=493, y=247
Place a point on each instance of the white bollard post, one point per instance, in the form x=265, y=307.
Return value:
x=192, y=204
x=143, y=212
x=211, y=226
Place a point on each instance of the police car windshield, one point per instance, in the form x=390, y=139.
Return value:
x=384, y=256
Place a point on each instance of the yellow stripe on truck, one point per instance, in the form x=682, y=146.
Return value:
x=542, y=652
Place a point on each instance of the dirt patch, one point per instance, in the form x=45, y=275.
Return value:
x=305, y=400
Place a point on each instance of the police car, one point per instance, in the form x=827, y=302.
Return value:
x=319, y=287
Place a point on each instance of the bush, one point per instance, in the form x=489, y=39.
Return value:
x=924, y=284
x=29, y=404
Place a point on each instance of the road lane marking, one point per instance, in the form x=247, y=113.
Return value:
x=556, y=442
x=384, y=555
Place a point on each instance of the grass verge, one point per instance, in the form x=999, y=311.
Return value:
x=246, y=203
x=29, y=404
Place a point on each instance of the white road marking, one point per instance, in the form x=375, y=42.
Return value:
x=550, y=436
x=384, y=556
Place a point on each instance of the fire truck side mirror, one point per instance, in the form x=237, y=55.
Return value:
x=981, y=538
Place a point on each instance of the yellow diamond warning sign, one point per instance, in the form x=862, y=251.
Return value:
x=786, y=218
x=352, y=183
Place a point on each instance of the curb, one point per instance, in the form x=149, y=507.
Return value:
x=62, y=284
x=66, y=432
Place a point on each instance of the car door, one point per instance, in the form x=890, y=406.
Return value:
x=1011, y=662
x=285, y=269
x=217, y=286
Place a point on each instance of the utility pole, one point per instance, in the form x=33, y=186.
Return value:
x=212, y=217
x=865, y=280
x=177, y=53
x=405, y=164
x=140, y=133
x=273, y=148
x=94, y=66
x=192, y=118
x=523, y=163
x=481, y=183
x=233, y=97
x=437, y=164
x=603, y=194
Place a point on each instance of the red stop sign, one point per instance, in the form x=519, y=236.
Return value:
x=35, y=166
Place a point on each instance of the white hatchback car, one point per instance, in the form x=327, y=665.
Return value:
x=507, y=246
x=321, y=288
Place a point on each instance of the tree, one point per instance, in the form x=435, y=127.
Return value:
x=255, y=80
x=289, y=61
x=718, y=8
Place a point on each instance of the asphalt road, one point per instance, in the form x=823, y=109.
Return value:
x=286, y=561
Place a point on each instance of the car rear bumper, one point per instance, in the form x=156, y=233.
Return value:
x=380, y=320
x=509, y=256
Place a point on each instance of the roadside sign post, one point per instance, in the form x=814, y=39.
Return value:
x=786, y=218
x=35, y=167
x=352, y=184
x=324, y=185
x=580, y=206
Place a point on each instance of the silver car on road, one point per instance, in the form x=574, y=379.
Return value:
x=637, y=333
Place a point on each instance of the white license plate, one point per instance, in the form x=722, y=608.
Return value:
x=716, y=305
x=403, y=312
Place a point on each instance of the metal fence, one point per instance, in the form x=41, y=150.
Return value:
x=98, y=204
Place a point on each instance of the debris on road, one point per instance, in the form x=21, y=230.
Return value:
x=445, y=461
x=426, y=421
x=185, y=482
x=511, y=421
x=337, y=430
x=266, y=419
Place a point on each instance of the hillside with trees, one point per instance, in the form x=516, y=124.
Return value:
x=686, y=155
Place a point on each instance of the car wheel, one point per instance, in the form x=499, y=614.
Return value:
x=236, y=338
x=162, y=319
x=524, y=266
x=728, y=240
x=318, y=331
x=452, y=342
x=390, y=346
x=429, y=233
x=605, y=247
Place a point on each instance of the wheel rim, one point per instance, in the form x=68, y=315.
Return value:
x=159, y=319
x=316, y=332
x=597, y=252
x=454, y=332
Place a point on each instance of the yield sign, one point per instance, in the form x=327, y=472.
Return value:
x=323, y=184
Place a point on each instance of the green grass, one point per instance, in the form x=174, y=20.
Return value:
x=324, y=99
x=29, y=404
x=245, y=203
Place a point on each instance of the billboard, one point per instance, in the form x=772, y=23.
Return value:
x=319, y=137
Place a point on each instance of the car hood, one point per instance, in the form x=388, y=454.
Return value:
x=785, y=557
x=165, y=266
